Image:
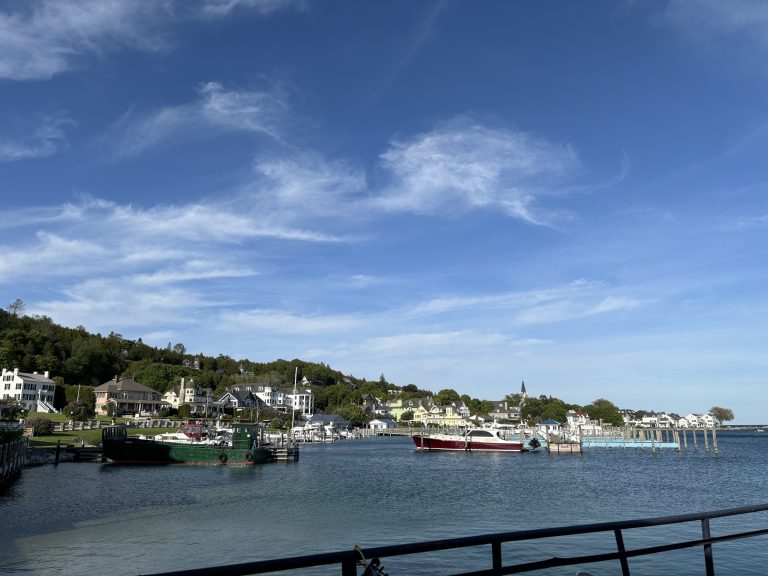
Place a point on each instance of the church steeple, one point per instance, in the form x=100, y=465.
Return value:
x=523, y=393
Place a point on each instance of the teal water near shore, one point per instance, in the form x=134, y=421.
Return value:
x=93, y=518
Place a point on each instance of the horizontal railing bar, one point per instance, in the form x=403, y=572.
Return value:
x=263, y=566
x=557, y=561
x=339, y=557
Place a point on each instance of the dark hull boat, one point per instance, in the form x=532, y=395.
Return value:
x=245, y=449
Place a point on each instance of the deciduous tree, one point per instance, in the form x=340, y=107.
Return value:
x=721, y=414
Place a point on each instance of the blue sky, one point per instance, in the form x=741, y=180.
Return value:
x=454, y=194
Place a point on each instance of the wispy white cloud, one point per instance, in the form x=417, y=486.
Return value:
x=549, y=305
x=159, y=246
x=306, y=185
x=219, y=8
x=566, y=310
x=464, y=164
x=423, y=33
x=216, y=111
x=51, y=255
x=45, y=139
x=760, y=221
x=43, y=38
x=103, y=303
x=506, y=300
x=428, y=342
x=281, y=323
x=705, y=20
x=196, y=270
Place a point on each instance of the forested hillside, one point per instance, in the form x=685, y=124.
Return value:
x=73, y=356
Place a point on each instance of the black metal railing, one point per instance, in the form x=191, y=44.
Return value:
x=349, y=560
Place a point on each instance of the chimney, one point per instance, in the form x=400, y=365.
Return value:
x=45, y=373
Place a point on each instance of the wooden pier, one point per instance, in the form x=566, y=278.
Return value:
x=652, y=439
x=285, y=454
x=12, y=458
x=564, y=447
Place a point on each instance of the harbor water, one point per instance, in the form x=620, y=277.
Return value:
x=102, y=518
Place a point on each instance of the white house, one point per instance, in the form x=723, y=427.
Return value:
x=200, y=400
x=548, y=427
x=580, y=421
x=284, y=399
x=34, y=392
x=650, y=421
x=700, y=420
x=667, y=421
x=381, y=424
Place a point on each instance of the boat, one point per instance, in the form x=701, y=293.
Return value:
x=244, y=449
x=477, y=440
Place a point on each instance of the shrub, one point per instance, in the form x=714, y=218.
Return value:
x=79, y=411
x=40, y=426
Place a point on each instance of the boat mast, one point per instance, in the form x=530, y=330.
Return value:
x=293, y=410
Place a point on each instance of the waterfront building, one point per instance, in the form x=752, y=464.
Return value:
x=579, y=421
x=398, y=406
x=34, y=392
x=284, y=399
x=201, y=401
x=240, y=397
x=433, y=415
x=549, y=427
x=128, y=396
x=382, y=424
x=700, y=420
x=504, y=410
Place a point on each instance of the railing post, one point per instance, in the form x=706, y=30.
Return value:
x=349, y=564
x=622, y=551
x=708, y=560
x=496, y=554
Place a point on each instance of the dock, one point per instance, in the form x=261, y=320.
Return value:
x=285, y=454
x=651, y=439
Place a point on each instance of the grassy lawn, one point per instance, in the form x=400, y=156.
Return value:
x=91, y=437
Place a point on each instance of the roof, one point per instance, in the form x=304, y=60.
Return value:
x=34, y=377
x=124, y=385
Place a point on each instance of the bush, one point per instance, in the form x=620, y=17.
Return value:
x=79, y=411
x=40, y=426
x=10, y=409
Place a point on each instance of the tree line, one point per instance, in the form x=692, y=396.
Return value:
x=78, y=361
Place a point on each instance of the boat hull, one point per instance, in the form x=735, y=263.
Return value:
x=118, y=447
x=136, y=451
x=432, y=443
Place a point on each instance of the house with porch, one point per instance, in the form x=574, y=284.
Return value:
x=128, y=396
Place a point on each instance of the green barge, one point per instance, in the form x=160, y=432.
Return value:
x=244, y=449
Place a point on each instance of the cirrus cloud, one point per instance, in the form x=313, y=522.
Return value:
x=465, y=164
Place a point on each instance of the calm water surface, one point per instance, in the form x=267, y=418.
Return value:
x=91, y=518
